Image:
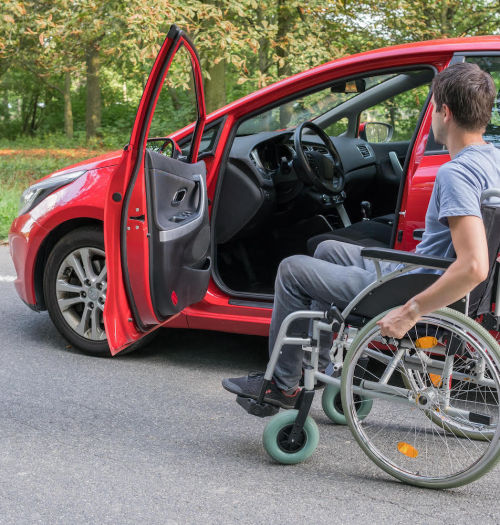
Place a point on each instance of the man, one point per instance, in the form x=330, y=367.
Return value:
x=463, y=97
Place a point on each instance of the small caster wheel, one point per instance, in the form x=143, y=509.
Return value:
x=332, y=405
x=276, y=436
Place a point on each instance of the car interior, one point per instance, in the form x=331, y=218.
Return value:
x=325, y=165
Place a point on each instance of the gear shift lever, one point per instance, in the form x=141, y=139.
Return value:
x=366, y=210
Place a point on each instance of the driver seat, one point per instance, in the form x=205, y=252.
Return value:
x=372, y=233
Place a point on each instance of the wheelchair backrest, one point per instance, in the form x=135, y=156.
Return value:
x=484, y=295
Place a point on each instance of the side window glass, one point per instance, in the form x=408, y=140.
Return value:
x=208, y=140
x=492, y=66
x=396, y=118
x=176, y=106
x=337, y=128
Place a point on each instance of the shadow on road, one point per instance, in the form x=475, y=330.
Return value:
x=217, y=350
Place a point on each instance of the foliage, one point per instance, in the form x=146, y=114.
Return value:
x=243, y=45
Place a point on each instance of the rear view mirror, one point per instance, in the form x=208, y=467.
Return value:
x=349, y=86
x=376, y=131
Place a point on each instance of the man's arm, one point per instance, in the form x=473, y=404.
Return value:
x=469, y=269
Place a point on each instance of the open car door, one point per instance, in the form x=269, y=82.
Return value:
x=156, y=228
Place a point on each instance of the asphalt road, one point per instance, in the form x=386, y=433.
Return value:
x=152, y=437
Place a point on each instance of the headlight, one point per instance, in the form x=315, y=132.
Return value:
x=36, y=193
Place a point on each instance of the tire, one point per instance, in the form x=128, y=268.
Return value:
x=400, y=435
x=278, y=429
x=78, y=257
x=331, y=402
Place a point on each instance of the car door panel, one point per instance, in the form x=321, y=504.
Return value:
x=180, y=232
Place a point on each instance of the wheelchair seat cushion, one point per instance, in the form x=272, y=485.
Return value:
x=363, y=233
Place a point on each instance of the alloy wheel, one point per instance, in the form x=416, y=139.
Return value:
x=81, y=292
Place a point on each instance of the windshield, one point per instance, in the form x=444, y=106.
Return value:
x=307, y=107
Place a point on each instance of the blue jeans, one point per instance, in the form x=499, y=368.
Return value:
x=336, y=274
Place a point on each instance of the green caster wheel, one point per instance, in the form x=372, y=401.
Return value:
x=276, y=435
x=332, y=405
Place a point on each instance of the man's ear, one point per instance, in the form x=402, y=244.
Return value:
x=446, y=112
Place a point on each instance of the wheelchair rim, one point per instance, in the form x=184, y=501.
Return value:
x=447, y=319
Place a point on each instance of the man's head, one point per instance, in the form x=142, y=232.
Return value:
x=463, y=96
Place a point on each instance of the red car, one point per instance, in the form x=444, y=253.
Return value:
x=187, y=230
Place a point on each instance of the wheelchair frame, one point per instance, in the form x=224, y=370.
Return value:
x=335, y=321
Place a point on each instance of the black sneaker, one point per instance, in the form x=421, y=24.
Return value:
x=250, y=386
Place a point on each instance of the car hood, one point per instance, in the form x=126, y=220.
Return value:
x=102, y=161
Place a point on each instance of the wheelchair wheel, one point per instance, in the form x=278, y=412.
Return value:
x=276, y=435
x=332, y=405
x=416, y=381
x=446, y=370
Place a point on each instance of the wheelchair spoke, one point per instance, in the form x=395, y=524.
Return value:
x=434, y=418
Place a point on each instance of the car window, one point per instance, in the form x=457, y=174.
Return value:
x=208, y=140
x=492, y=65
x=492, y=134
x=177, y=105
x=311, y=106
x=400, y=112
x=337, y=128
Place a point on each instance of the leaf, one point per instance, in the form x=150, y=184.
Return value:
x=9, y=19
x=41, y=39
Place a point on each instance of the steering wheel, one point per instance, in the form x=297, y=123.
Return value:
x=325, y=174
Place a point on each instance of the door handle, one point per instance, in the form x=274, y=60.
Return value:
x=195, y=220
x=418, y=234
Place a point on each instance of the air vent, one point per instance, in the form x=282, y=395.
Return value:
x=253, y=158
x=364, y=151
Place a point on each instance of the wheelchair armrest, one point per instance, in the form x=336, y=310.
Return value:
x=386, y=254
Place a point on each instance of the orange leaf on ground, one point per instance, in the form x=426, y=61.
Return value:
x=72, y=153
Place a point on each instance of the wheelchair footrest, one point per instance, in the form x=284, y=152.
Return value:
x=257, y=409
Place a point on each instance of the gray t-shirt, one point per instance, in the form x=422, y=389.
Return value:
x=457, y=191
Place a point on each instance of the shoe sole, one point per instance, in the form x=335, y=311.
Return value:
x=268, y=400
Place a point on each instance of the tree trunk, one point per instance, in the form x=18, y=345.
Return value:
x=284, y=69
x=215, y=87
x=263, y=53
x=93, y=107
x=68, y=113
x=33, y=114
x=5, y=103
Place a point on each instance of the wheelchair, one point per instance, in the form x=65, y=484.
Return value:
x=424, y=408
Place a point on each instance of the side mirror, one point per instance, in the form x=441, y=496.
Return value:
x=375, y=131
x=170, y=148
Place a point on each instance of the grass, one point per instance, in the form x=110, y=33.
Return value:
x=22, y=165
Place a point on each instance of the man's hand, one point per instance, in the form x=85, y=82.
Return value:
x=398, y=321
x=470, y=268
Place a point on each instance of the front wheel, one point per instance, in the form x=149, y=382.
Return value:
x=276, y=438
x=75, y=283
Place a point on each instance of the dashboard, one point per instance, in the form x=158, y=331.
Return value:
x=267, y=153
x=261, y=180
